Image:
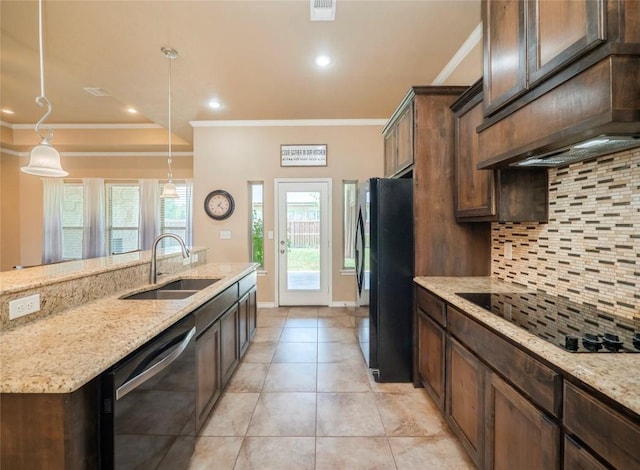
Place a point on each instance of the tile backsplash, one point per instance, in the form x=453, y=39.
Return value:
x=589, y=251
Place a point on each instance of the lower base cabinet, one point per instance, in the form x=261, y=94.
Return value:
x=465, y=399
x=518, y=434
x=229, y=343
x=208, y=369
x=247, y=318
x=577, y=457
x=509, y=410
x=430, y=355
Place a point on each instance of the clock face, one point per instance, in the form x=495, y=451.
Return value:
x=219, y=204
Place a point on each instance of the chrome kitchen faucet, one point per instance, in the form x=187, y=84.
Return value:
x=154, y=265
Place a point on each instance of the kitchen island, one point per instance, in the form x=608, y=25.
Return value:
x=50, y=367
x=513, y=397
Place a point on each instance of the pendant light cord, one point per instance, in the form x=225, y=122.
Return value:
x=42, y=99
x=169, y=159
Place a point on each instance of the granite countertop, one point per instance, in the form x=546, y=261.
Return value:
x=61, y=353
x=616, y=376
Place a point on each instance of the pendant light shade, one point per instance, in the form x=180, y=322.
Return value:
x=169, y=189
x=44, y=160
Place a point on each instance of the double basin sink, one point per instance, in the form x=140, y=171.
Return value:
x=179, y=289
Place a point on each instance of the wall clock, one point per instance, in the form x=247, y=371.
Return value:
x=219, y=204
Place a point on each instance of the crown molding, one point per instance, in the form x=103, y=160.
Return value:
x=290, y=123
x=473, y=39
x=104, y=154
x=85, y=126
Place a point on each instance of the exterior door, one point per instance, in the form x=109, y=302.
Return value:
x=303, y=244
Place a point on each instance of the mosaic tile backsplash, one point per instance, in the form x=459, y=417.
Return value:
x=589, y=251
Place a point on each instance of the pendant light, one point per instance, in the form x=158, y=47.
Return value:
x=169, y=189
x=44, y=160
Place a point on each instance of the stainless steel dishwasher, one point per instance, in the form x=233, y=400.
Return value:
x=148, y=403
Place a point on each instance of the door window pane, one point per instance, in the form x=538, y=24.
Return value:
x=303, y=241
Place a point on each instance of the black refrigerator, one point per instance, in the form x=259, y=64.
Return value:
x=384, y=265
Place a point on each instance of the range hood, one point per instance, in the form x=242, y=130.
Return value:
x=594, y=147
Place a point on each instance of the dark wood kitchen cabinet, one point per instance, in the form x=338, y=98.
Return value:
x=518, y=434
x=527, y=41
x=247, y=313
x=612, y=436
x=539, y=58
x=505, y=56
x=429, y=341
x=50, y=430
x=398, y=140
x=208, y=370
x=229, y=343
x=465, y=399
x=442, y=246
x=560, y=32
x=504, y=195
x=510, y=410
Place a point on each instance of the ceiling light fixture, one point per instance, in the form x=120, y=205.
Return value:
x=322, y=61
x=215, y=104
x=132, y=110
x=169, y=189
x=7, y=111
x=44, y=160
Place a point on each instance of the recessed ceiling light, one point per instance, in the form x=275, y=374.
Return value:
x=7, y=111
x=322, y=60
x=132, y=110
x=215, y=104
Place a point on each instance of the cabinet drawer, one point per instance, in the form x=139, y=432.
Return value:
x=209, y=312
x=614, y=437
x=246, y=283
x=431, y=305
x=541, y=384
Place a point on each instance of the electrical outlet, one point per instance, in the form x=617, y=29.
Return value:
x=24, y=306
x=194, y=257
x=186, y=261
x=508, y=250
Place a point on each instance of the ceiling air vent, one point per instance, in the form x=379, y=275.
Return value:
x=323, y=10
x=95, y=91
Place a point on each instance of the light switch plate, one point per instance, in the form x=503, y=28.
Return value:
x=225, y=234
x=24, y=306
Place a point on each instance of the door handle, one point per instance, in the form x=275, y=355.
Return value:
x=282, y=251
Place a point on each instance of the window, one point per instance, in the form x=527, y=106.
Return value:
x=123, y=217
x=349, y=213
x=175, y=214
x=256, y=221
x=72, y=221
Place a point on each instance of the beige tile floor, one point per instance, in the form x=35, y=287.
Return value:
x=302, y=398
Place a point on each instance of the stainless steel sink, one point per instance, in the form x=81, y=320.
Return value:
x=189, y=284
x=179, y=289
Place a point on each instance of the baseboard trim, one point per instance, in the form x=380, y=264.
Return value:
x=343, y=303
x=267, y=305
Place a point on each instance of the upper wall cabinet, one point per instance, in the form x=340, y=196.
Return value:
x=558, y=73
x=398, y=139
x=527, y=40
x=505, y=195
x=504, y=52
x=560, y=32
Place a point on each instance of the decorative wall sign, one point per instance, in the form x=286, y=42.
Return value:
x=303, y=155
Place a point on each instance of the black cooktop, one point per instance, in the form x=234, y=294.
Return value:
x=572, y=326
